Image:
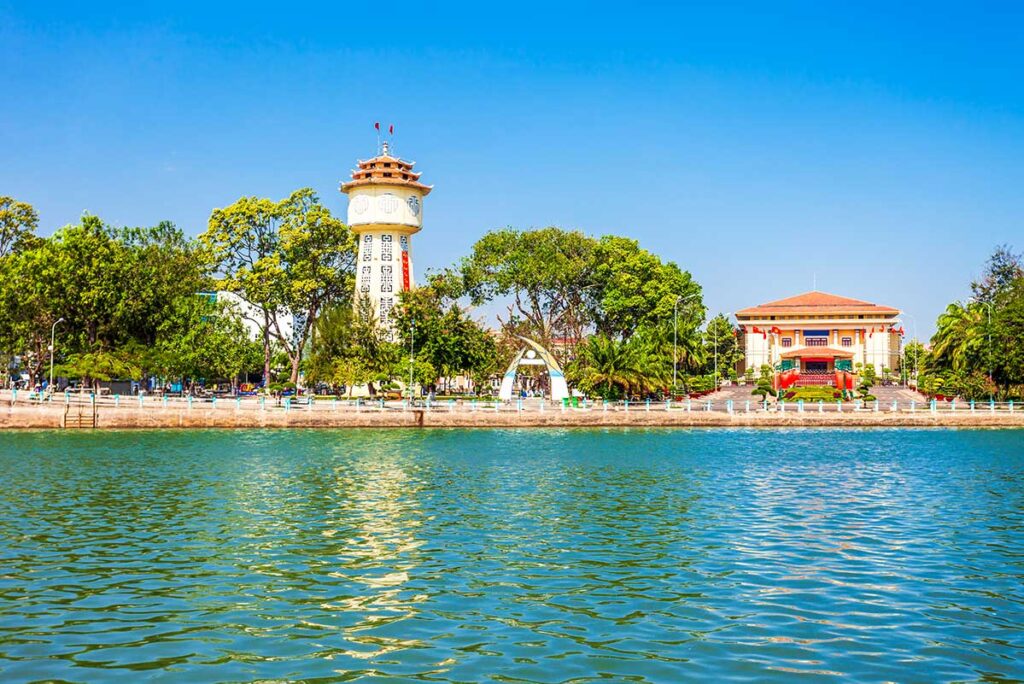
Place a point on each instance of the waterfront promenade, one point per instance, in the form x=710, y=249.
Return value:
x=723, y=409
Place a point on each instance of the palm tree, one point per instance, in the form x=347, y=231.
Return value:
x=960, y=336
x=608, y=365
x=653, y=350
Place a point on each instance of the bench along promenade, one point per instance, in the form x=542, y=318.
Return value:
x=21, y=409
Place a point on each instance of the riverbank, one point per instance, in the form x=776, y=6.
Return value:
x=57, y=415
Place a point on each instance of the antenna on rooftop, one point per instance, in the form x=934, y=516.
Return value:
x=376, y=125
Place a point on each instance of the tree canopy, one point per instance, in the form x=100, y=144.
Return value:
x=977, y=347
x=289, y=258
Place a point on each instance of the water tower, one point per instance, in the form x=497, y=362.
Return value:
x=385, y=209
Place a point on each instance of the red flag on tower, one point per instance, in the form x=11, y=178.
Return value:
x=391, y=129
x=376, y=124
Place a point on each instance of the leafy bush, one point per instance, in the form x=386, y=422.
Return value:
x=814, y=393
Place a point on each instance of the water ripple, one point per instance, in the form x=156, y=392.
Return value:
x=512, y=556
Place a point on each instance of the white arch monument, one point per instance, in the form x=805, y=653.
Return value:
x=532, y=354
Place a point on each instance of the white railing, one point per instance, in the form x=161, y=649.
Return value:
x=331, y=404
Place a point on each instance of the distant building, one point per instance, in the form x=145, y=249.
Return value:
x=251, y=315
x=817, y=333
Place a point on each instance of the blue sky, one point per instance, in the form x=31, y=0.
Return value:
x=878, y=149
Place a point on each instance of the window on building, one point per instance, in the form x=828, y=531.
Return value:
x=847, y=341
x=817, y=341
x=386, y=304
x=787, y=341
x=367, y=247
x=364, y=281
x=385, y=248
x=386, y=284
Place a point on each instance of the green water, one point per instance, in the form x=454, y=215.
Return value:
x=516, y=556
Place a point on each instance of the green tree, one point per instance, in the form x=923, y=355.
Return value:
x=914, y=356
x=100, y=366
x=959, y=338
x=721, y=338
x=1002, y=268
x=445, y=335
x=111, y=286
x=201, y=339
x=350, y=348
x=287, y=258
x=630, y=288
x=1007, y=351
x=318, y=253
x=164, y=267
x=544, y=273
x=244, y=245
x=18, y=222
x=607, y=367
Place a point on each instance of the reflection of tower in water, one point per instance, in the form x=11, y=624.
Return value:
x=377, y=518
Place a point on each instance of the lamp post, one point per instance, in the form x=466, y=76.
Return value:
x=675, y=335
x=53, y=333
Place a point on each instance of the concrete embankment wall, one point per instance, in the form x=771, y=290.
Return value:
x=48, y=416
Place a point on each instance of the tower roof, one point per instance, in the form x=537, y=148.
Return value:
x=817, y=303
x=386, y=170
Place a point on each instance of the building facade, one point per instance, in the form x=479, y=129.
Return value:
x=816, y=333
x=385, y=209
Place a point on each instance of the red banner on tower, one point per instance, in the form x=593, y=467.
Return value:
x=405, y=271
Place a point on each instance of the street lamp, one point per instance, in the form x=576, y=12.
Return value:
x=675, y=335
x=53, y=333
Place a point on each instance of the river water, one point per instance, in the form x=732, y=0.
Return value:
x=512, y=555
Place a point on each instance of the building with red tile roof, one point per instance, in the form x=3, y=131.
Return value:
x=818, y=333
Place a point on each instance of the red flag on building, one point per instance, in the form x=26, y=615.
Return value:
x=376, y=124
x=391, y=129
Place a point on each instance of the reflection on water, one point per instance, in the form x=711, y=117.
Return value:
x=534, y=556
